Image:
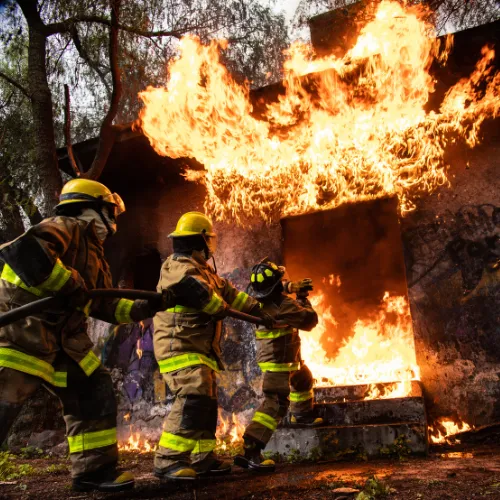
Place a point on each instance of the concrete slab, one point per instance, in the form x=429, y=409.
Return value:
x=379, y=411
x=359, y=441
x=358, y=392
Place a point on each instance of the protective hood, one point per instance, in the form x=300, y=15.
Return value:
x=89, y=215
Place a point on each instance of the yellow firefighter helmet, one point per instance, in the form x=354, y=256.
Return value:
x=87, y=191
x=191, y=224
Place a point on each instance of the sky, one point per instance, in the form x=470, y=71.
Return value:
x=287, y=6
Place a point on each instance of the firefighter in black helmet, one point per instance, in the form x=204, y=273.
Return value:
x=287, y=380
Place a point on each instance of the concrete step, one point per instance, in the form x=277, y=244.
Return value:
x=342, y=394
x=356, y=441
x=378, y=411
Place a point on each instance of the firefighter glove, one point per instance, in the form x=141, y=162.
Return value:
x=300, y=287
x=267, y=320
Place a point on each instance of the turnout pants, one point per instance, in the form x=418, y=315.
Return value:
x=189, y=429
x=89, y=410
x=281, y=391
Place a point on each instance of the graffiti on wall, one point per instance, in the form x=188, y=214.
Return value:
x=467, y=241
x=454, y=280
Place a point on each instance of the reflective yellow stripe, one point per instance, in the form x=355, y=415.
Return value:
x=268, y=272
x=182, y=444
x=214, y=305
x=57, y=279
x=279, y=367
x=204, y=446
x=177, y=443
x=89, y=363
x=184, y=360
x=297, y=397
x=265, y=420
x=122, y=311
x=60, y=379
x=260, y=278
x=240, y=301
x=273, y=334
x=92, y=440
x=10, y=358
x=9, y=275
x=182, y=309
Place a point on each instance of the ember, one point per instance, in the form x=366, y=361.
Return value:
x=362, y=133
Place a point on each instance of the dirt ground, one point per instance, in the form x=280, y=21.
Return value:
x=444, y=474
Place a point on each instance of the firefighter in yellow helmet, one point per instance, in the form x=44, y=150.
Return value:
x=287, y=380
x=186, y=344
x=63, y=256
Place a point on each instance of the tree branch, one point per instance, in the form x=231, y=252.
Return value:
x=67, y=25
x=83, y=54
x=67, y=132
x=108, y=133
x=16, y=84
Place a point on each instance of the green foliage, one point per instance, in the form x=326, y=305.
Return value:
x=10, y=470
x=400, y=448
x=374, y=488
x=315, y=455
x=354, y=452
x=269, y=455
x=294, y=457
x=56, y=469
x=31, y=452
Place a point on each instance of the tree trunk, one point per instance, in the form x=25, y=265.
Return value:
x=41, y=105
x=11, y=223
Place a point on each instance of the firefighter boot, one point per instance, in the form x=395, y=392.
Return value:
x=180, y=471
x=306, y=420
x=210, y=466
x=252, y=459
x=108, y=480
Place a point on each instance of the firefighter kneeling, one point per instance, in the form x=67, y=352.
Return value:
x=63, y=256
x=287, y=381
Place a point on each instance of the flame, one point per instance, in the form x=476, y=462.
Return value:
x=135, y=442
x=381, y=349
x=229, y=435
x=356, y=130
x=445, y=428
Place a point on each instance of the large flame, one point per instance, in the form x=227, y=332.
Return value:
x=380, y=349
x=356, y=130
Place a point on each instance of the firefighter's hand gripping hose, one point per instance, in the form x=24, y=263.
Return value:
x=166, y=299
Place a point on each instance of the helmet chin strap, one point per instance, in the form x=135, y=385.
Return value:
x=98, y=209
x=207, y=250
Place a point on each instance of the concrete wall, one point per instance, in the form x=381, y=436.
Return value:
x=449, y=242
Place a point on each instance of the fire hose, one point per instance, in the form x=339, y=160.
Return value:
x=48, y=303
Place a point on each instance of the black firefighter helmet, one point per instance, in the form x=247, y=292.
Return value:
x=265, y=277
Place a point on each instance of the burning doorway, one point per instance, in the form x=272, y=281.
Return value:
x=354, y=255
x=362, y=353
